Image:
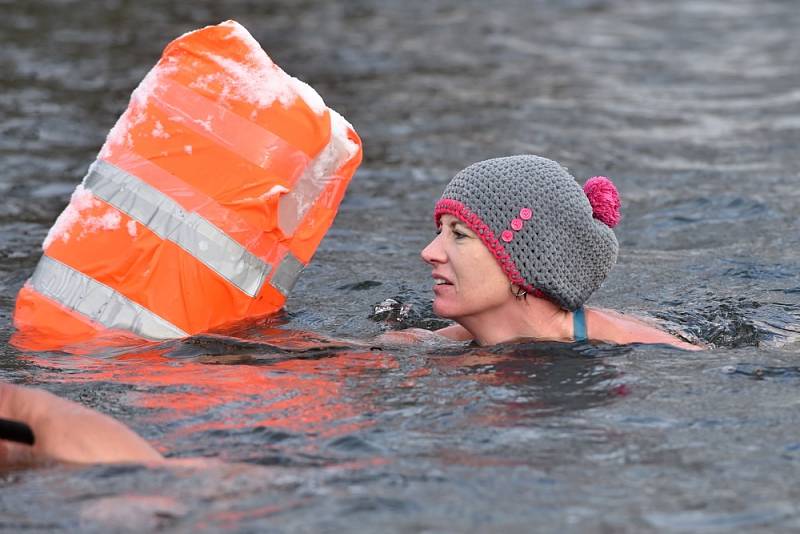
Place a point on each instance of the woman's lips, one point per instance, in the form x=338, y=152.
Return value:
x=439, y=279
x=440, y=284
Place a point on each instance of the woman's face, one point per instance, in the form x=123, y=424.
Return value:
x=467, y=278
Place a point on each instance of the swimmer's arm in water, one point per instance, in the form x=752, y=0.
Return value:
x=409, y=336
x=67, y=432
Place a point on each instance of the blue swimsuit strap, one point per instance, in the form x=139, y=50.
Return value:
x=579, y=325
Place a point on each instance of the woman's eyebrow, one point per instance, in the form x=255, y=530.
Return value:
x=460, y=226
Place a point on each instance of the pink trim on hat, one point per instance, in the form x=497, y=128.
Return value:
x=459, y=210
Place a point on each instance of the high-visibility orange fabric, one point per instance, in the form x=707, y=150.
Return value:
x=223, y=132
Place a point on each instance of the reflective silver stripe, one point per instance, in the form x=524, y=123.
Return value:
x=286, y=274
x=187, y=229
x=294, y=205
x=98, y=302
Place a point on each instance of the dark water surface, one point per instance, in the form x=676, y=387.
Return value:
x=692, y=107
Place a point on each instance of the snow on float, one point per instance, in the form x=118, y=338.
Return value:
x=209, y=196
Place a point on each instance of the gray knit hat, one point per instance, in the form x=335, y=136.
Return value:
x=550, y=237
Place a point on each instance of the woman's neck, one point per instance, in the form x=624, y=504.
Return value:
x=531, y=317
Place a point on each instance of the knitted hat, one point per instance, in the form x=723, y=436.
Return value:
x=549, y=236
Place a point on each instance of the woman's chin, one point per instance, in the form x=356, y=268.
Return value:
x=441, y=309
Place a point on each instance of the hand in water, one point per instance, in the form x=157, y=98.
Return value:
x=67, y=432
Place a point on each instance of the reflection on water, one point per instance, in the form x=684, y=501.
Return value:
x=470, y=408
x=295, y=397
x=187, y=398
x=690, y=106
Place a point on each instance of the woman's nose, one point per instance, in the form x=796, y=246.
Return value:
x=433, y=253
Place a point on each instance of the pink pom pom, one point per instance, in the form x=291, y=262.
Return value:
x=604, y=199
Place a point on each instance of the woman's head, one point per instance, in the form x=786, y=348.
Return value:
x=539, y=225
x=467, y=278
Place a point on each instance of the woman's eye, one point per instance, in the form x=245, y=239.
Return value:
x=459, y=235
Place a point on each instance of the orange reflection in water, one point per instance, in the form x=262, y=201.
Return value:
x=297, y=395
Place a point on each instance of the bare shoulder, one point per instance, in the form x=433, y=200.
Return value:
x=617, y=327
x=456, y=332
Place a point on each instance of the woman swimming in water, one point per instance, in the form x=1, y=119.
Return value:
x=520, y=248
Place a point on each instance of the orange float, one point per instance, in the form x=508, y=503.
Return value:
x=209, y=196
